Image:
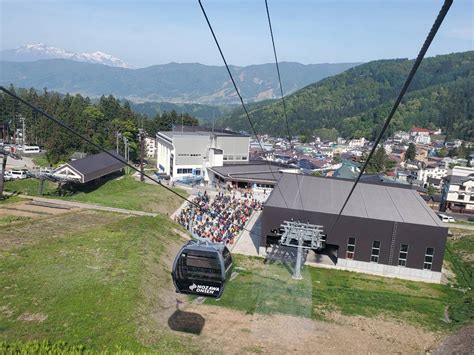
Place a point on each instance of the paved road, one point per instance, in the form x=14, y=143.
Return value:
x=460, y=226
x=25, y=162
x=460, y=216
x=249, y=243
x=89, y=206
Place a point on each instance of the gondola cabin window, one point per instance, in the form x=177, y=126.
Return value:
x=200, y=267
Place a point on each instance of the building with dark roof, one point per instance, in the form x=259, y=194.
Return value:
x=385, y=229
x=89, y=168
x=254, y=174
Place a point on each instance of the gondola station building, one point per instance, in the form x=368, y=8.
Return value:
x=385, y=229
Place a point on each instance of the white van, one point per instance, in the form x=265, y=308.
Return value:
x=18, y=174
x=31, y=149
x=446, y=218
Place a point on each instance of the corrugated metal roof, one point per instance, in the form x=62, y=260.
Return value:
x=251, y=171
x=376, y=201
x=96, y=165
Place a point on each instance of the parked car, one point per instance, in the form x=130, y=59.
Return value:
x=7, y=176
x=19, y=174
x=446, y=218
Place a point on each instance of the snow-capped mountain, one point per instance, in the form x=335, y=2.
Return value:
x=33, y=52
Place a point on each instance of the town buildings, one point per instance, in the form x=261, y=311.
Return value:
x=458, y=191
x=420, y=135
x=432, y=174
x=150, y=147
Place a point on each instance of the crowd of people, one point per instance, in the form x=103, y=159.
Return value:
x=219, y=220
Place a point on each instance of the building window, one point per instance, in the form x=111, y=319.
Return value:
x=471, y=198
x=460, y=197
x=462, y=188
x=428, y=258
x=375, y=251
x=244, y=157
x=185, y=171
x=351, y=248
x=402, y=258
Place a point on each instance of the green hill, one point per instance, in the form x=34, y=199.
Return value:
x=357, y=101
x=205, y=113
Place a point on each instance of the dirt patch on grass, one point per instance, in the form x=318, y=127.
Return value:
x=46, y=227
x=462, y=342
x=33, y=317
x=28, y=209
x=230, y=331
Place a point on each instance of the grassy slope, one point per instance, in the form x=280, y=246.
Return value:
x=122, y=193
x=269, y=289
x=88, y=283
x=30, y=187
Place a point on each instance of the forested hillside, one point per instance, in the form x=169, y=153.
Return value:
x=205, y=113
x=98, y=121
x=357, y=101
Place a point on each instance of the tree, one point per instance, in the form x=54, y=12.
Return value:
x=377, y=163
x=327, y=134
x=306, y=137
x=442, y=153
x=431, y=190
x=411, y=152
x=379, y=159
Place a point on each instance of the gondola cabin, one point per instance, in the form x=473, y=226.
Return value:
x=202, y=269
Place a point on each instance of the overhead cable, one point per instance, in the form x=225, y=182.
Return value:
x=431, y=35
x=252, y=126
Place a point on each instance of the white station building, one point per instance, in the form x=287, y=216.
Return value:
x=189, y=151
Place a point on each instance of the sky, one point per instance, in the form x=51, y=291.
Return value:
x=144, y=33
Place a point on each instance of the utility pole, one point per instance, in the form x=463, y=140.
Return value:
x=141, y=134
x=118, y=135
x=125, y=152
x=23, y=131
x=2, y=172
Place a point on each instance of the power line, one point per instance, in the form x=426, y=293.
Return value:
x=102, y=149
x=282, y=96
x=252, y=126
x=434, y=29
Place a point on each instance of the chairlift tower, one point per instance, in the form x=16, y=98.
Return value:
x=302, y=236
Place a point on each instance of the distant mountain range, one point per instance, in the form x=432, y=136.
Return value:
x=356, y=102
x=173, y=82
x=38, y=51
